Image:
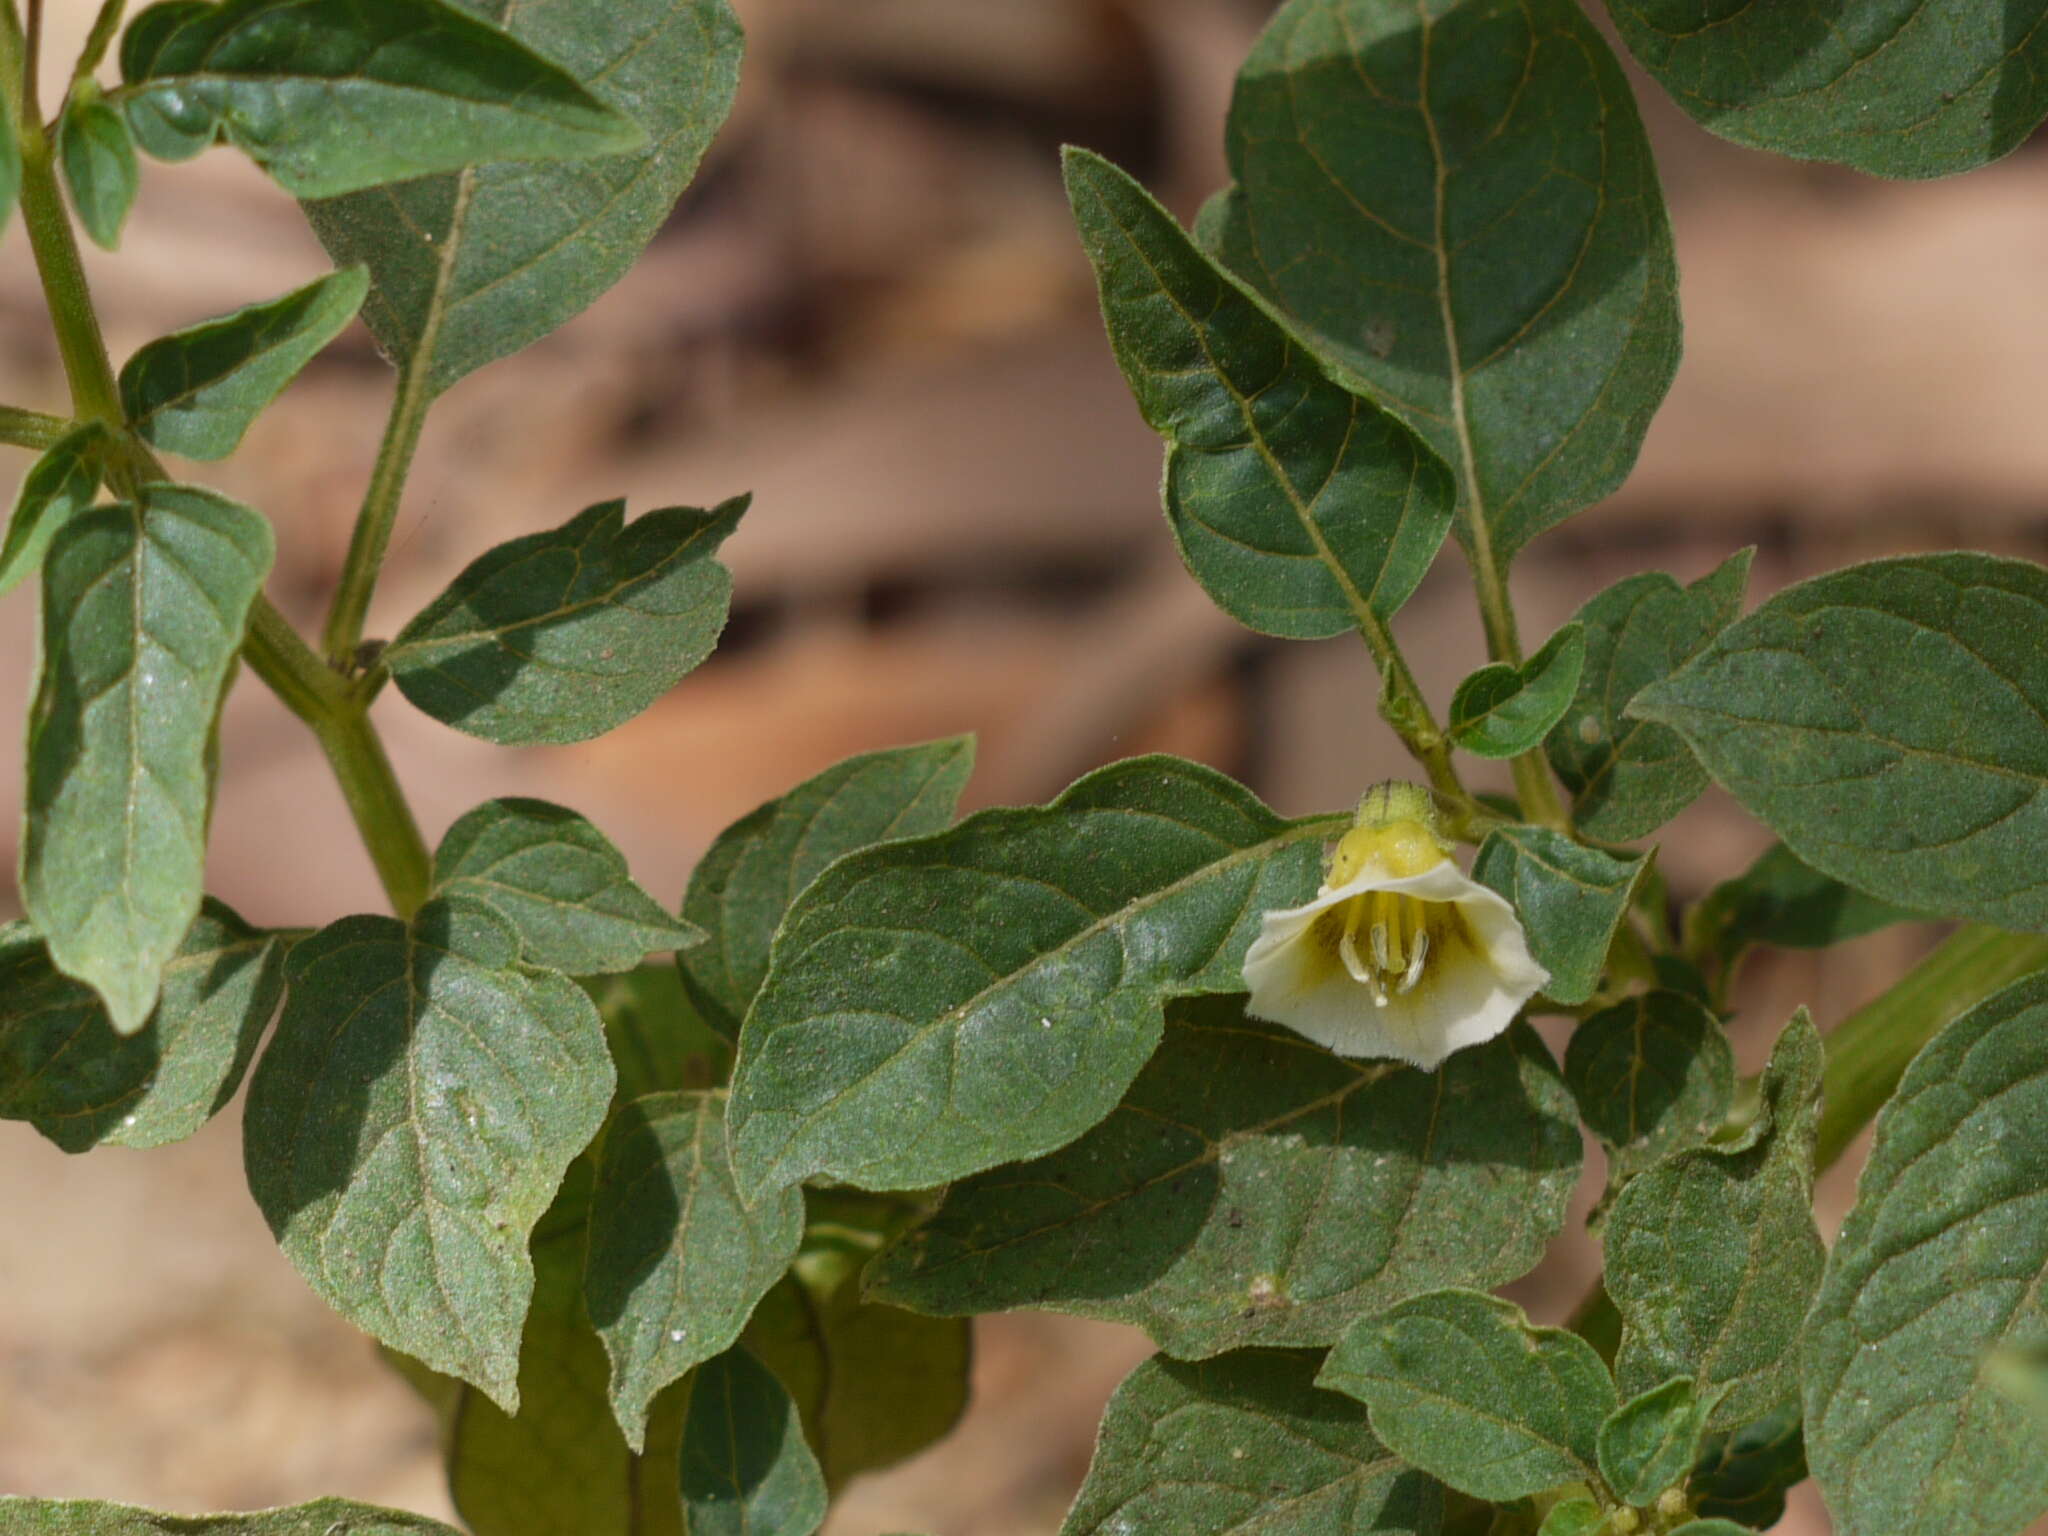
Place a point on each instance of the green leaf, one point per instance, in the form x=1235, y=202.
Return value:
x=1743, y=1475
x=324, y=1517
x=470, y=267
x=659, y=1042
x=676, y=1262
x=1457, y=204
x=744, y=884
x=1461, y=1385
x=1301, y=506
x=559, y=883
x=1939, y=1270
x=1904, y=88
x=1711, y=1528
x=1626, y=776
x=58, y=486
x=938, y=1006
x=97, y=157
x=560, y=636
x=411, y=1121
x=1244, y=1443
x=1890, y=723
x=559, y=1467
x=1255, y=1189
x=1783, y=901
x=1504, y=711
x=1569, y=897
x=745, y=1469
x=1712, y=1254
x=65, y=1071
x=1574, y=1517
x=1651, y=1074
x=196, y=391
x=1648, y=1444
x=144, y=608
x=330, y=96
x=875, y=1384
x=10, y=177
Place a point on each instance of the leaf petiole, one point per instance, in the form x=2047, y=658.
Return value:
x=30, y=429
x=372, y=536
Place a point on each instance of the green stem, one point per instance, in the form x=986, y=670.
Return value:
x=274, y=650
x=31, y=81
x=104, y=26
x=94, y=396
x=1868, y=1053
x=372, y=537
x=1403, y=706
x=340, y=723
x=30, y=429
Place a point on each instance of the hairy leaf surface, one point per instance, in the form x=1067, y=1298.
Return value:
x=97, y=157
x=1626, y=776
x=560, y=636
x=412, y=1121
x=743, y=886
x=65, y=1070
x=1712, y=1254
x=58, y=486
x=745, y=1469
x=1648, y=1444
x=1651, y=1074
x=1457, y=204
x=1245, y=1442
x=330, y=96
x=470, y=267
x=937, y=1006
x=196, y=391
x=1890, y=723
x=1461, y=1385
x=1939, y=1269
x=1569, y=897
x=559, y=883
x=144, y=607
x=1301, y=506
x=676, y=1261
x=1896, y=88
x=1254, y=1189
x=1504, y=711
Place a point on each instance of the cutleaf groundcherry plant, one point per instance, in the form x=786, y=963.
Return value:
x=677, y=1206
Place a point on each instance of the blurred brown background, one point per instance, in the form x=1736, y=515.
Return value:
x=871, y=311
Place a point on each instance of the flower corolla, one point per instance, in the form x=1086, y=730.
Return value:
x=1401, y=954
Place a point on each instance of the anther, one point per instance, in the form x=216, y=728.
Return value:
x=1414, y=972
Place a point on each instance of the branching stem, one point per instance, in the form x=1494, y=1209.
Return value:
x=317, y=694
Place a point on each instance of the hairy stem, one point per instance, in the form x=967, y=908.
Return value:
x=312, y=691
x=372, y=537
x=30, y=429
x=104, y=27
x=1868, y=1053
x=1403, y=706
x=1869, y=1050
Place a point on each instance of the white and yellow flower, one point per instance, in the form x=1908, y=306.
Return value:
x=1401, y=954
